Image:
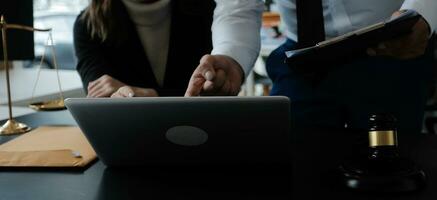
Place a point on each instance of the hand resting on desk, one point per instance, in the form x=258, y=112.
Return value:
x=129, y=91
x=409, y=46
x=104, y=86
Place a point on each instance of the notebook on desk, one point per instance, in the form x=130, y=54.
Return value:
x=328, y=54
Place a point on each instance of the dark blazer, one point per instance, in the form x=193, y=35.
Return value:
x=190, y=39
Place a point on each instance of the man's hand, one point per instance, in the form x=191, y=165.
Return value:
x=104, y=86
x=216, y=75
x=128, y=91
x=409, y=46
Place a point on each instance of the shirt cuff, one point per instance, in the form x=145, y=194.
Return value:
x=426, y=8
x=241, y=55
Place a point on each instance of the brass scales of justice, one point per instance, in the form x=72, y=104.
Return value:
x=12, y=126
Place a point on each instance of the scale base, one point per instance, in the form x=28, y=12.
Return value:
x=12, y=127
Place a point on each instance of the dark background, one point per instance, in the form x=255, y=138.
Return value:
x=20, y=43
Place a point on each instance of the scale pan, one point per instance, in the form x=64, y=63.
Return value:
x=52, y=105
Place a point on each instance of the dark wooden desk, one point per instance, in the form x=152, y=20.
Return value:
x=315, y=154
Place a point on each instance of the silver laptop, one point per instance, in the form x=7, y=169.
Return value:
x=186, y=131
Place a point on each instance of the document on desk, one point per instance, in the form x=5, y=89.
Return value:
x=336, y=51
x=48, y=146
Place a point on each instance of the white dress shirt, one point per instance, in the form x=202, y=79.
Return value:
x=342, y=16
x=236, y=30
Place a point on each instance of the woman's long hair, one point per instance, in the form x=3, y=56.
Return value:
x=101, y=18
x=106, y=19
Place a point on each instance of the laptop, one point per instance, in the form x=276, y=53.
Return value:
x=167, y=131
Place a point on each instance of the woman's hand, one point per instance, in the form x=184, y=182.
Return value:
x=104, y=86
x=405, y=47
x=129, y=91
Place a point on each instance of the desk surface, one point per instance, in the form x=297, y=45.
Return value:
x=311, y=159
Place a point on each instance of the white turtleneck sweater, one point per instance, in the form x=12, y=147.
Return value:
x=235, y=31
x=153, y=23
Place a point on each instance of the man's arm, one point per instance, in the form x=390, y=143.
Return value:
x=236, y=41
x=414, y=44
x=235, y=31
x=426, y=8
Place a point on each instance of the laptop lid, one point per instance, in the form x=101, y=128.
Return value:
x=186, y=131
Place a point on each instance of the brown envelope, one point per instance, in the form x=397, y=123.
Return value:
x=48, y=146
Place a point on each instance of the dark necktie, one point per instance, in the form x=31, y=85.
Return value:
x=310, y=22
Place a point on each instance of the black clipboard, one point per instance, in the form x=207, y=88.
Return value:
x=334, y=52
